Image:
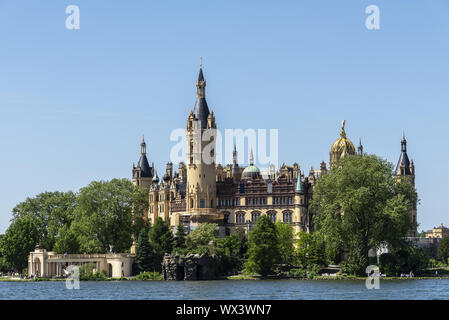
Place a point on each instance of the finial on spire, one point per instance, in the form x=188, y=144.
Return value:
x=342, y=132
x=201, y=62
x=143, y=146
x=251, y=158
x=403, y=143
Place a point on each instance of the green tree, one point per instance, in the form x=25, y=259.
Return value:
x=310, y=249
x=285, y=237
x=360, y=205
x=161, y=236
x=263, y=249
x=19, y=240
x=50, y=211
x=144, y=252
x=180, y=238
x=161, y=239
x=105, y=216
x=443, y=249
x=231, y=250
x=243, y=241
x=403, y=259
x=199, y=239
x=66, y=241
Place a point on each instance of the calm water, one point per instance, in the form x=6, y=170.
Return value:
x=229, y=289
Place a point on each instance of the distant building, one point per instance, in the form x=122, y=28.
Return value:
x=438, y=232
x=49, y=264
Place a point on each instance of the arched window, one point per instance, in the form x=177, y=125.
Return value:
x=288, y=217
x=240, y=218
x=272, y=216
x=254, y=216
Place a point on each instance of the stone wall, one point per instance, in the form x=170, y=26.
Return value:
x=189, y=267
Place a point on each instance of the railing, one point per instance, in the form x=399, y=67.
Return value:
x=91, y=256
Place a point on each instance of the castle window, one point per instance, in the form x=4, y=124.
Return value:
x=272, y=216
x=288, y=217
x=242, y=187
x=202, y=203
x=191, y=203
x=240, y=218
x=212, y=203
x=254, y=216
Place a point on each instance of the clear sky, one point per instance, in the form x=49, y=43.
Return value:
x=75, y=103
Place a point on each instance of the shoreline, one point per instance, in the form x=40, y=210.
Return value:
x=232, y=278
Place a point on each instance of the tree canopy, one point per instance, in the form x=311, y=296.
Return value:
x=263, y=247
x=104, y=218
x=360, y=206
x=103, y=214
x=443, y=249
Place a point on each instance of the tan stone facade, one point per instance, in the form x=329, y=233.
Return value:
x=233, y=196
x=438, y=232
x=49, y=264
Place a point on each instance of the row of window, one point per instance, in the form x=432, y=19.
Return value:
x=254, y=201
x=161, y=208
x=160, y=197
x=228, y=202
x=240, y=217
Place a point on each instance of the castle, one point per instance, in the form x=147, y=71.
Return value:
x=235, y=196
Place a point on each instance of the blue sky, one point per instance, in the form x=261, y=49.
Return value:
x=75, y=103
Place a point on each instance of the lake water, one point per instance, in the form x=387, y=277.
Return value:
x=229, y=289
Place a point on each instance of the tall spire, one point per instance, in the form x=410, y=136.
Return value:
x=360, y=147
x=403, y=143
x=299, y=186
x=143, y=161
x=251, y=158
x=403, y=166
x=201, y=83
x=143, y=146
x=234, y=155
x=201, y=110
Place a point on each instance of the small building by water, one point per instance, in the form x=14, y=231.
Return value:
x=50, y=264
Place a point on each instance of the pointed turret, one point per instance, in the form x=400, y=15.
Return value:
x=299, y=186
x=251, y=158
x=201, y=110
x=403, y=166
x=360, y=148
x=155, y=178
x=146, y=171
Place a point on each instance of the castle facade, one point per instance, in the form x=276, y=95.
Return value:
x=235, y=196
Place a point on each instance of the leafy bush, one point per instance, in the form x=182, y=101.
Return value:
x=403, y=260
x=298, y=273
x=150, y=276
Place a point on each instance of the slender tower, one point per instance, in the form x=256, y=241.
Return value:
x=406, y=169
x=143, y=173
x=201, y=172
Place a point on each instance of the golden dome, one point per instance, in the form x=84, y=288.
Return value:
x=343, y=145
